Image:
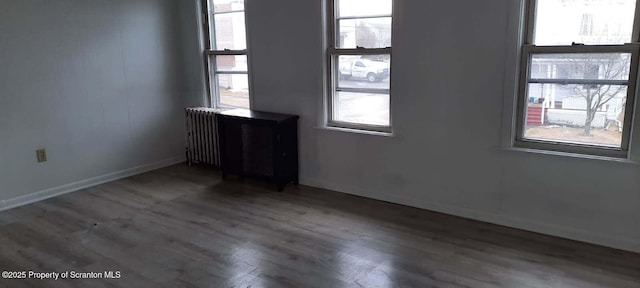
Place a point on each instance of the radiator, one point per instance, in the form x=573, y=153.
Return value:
x=202, y=142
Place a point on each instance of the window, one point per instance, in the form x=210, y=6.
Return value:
x=359, y=56
x=586, y=28
x=227, y=53
x=578, y=76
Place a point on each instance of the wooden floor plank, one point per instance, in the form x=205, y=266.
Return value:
x=184, y=227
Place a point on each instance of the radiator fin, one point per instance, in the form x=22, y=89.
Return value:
x=202, y=143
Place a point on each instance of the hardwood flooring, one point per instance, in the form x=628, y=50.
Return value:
x=184, y=227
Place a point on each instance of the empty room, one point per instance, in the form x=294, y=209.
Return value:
x=320, y=143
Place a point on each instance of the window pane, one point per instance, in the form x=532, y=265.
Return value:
x=603, y=66
x=561, y=22
x=227, y=5
x=363, y=71
x=361, y=108
x=365, y=32
x=233, y=90
x=231, y=63
x=229, y=31
x=582, y=114
x=351, y=8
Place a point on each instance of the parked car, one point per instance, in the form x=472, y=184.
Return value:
x=373, y=71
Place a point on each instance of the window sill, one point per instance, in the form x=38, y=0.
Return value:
x=570, y=155
x=357, y=131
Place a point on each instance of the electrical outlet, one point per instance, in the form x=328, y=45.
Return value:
x=41, y=155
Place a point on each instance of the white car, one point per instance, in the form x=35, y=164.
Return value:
x=373, y=71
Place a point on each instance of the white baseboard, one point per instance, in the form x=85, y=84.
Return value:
x=627, y=244
x=75, y=186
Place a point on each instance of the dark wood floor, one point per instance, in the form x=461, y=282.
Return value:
x=184, y=227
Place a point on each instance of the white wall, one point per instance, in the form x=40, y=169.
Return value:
x=453, y=74
x=100, y=84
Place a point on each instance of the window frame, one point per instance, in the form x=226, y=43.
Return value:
x=528, y=49
x=211, y=54
x=334, y=52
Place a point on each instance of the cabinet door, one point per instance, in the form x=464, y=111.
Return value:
x=258, y=149
x=230, y=146
x=288, y=150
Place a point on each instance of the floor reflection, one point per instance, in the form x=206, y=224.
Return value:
x=245, y=266
x=363, y=264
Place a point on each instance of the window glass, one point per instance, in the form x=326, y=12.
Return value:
x=560, y=113
x=227, y=5
x=228, y=74
x=576, y=93
x=365, y=32
x=229, y=63
x=602, y=66
x=233, y=90
x=363, y=8
x=230, y=31
x=362, y=108
x=360, y=84
x=562, y=22
x=363, y=71
x=577, y=98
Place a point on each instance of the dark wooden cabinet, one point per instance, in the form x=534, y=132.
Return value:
x=259, y=144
